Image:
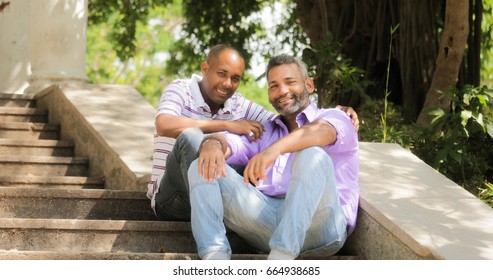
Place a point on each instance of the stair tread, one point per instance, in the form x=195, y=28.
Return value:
x=29, y=126
x=10, y=110
x=73, y=193
x=16, y=96
x=99, y=225
x=49, y=179
x=51, y=255
x=43, y=159
x=36, y=143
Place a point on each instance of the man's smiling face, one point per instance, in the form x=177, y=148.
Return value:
x=221, y=77
x=289, y=91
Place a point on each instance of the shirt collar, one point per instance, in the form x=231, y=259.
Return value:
x=199, y=99
x=196, y=94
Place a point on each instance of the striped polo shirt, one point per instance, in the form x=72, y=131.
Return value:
x=182, y=97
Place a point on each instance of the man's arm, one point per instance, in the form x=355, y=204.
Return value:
x=171, y=126
x=318, y=133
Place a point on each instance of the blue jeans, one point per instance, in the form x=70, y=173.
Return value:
x=308, y=221
x=172, y=199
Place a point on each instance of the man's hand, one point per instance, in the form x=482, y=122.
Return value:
x=258, y=164
x=252, y=129
x=212, y=163
x=352, y=114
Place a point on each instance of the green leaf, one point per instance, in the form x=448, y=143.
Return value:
x=489, y=128
x=465, y=116
x=435, y=112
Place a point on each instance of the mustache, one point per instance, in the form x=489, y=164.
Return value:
x=285, y=96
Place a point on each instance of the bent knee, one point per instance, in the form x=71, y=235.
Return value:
x=191, y=133
x=314, y=155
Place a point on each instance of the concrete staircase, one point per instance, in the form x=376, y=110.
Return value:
x=52, y=208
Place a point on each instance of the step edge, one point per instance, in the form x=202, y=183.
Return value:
x=93, y=225
x=43, y=159
x=101, y=194
x=51, y=179
x=41, y=143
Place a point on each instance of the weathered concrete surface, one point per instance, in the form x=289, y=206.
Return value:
x=89, y=204
x=410, y=211
x=110, y=124
x=74, y=235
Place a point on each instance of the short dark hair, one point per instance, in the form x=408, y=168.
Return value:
x=218, y=49
x=286, y=59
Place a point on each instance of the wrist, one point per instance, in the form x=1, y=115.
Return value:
x=212, y=141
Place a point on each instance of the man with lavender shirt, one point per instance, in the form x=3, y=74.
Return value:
x=299, y=192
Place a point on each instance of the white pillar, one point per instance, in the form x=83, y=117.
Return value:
x=57, y=43
x=15, y=66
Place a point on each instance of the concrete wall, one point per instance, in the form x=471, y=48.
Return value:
x=15, y=66
x=42, y=42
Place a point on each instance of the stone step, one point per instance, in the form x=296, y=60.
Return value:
x=14, y=114
x=16, y=100
x=36, y=147
x=75, y=204
x=44, y=166
x=50, y=255
x=29, y=131
x=52, y=182
x=79, y=236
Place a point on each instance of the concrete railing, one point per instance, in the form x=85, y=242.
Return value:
x=407, y=209
x=113, y=125
x=410, y=211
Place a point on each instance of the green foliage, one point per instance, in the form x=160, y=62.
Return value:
x=228, y=22
x=145, y=69
x=129, y=14
x=486, y=193
x=335, y=78
x=383, y=116
x=251, y=90
x=487, y=44
x=459, y=143
x=371, y=127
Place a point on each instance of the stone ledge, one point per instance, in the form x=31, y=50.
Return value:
x=408, y=210
x=113, y=125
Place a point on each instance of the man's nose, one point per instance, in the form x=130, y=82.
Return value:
x=283, y=89
x=227, y=83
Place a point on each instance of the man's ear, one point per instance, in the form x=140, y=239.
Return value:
x=309, y=84
x=204, y=67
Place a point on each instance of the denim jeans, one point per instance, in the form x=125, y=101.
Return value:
x=307, y=221
x=172, y=199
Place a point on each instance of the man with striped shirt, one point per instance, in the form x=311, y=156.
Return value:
x=190, y=108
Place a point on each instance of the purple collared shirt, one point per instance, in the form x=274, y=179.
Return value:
x=344, y=155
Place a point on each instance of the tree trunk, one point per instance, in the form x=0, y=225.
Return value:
x=450, y=54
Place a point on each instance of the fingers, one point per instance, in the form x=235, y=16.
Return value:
x=352, y=114
x=254, y=171
x=356, y=124
x=212, y=167
x=256, y=131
